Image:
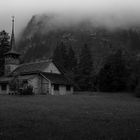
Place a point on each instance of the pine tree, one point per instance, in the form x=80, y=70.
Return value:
x=60, y=55
x=4, y=47
x=113, y=76
x=71, y=59
x=85, y=69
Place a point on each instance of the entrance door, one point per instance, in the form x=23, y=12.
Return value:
x=45, y=88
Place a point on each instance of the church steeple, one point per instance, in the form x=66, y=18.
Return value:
x=13, y=49
x=11, y=57
x=13, y=44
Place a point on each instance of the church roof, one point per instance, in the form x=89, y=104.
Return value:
x=31, y=67
x=57, y=78
x=12, y=52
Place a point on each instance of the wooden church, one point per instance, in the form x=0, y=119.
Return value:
x=45, y=77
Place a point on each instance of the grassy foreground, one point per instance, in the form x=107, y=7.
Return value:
x=77, y=117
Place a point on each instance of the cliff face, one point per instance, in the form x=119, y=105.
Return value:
x=42, y=34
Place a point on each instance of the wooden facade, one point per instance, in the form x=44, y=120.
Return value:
x=48, y=81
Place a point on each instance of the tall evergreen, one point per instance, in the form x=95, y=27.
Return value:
x=71, y=59
x=134, y=39
x=4, y=47
x=114, y=75
x=85, y=69
x=60, y=55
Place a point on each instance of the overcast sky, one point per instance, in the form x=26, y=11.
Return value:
x=122, y=12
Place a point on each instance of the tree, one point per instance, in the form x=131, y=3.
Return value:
x=114, y=75
x=60, y=55
x=134, y=39
x=4, y=47
x=20, y=87
x=84, y=73
x=15, y=84
x=71, y=60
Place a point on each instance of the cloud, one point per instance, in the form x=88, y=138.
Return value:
x=111, y=13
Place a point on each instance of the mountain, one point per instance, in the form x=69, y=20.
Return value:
x=44, y=32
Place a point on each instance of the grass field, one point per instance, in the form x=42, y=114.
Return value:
x=77, y=117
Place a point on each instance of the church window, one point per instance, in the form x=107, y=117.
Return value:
x=56, y=87
x=68, y=88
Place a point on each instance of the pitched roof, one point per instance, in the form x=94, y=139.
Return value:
x=31, y=67
x=57, y=78
x=12, y=52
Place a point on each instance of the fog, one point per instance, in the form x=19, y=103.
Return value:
x=110, y=13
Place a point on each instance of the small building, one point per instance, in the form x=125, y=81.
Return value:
x=45, y=76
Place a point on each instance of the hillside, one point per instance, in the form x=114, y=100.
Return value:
x=43, y=32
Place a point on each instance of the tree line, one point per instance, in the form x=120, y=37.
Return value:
x=119, y=72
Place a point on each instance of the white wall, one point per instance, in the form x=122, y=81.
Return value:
x=45, y=86
x=40, y=85
x=34, y=83
x=62, y=90
x=52, y=69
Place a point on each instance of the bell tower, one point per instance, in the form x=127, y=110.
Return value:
x=11, y=57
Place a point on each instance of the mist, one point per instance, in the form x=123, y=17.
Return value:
x=109, y=13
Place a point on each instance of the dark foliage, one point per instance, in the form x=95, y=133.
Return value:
x=60, y=55
x=80, y=72
x=4, y=47
x=118, y=74
x=137, y=91
x=84, y=71
x=20, y=87
x=26, y=91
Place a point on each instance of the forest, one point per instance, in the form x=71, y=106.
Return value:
x=119, y=71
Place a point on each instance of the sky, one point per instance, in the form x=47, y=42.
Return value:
x=110, y=12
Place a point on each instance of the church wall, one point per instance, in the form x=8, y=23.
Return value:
x=44, y=85
x=40, y=85
x=34, y=82
x=62, y=90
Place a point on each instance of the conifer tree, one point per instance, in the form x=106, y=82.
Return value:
x=85, y=69
x=60, y=55
x=71, y=59
x=114, y=75
x=4, y=47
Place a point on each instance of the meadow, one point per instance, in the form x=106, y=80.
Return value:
x=100, y=116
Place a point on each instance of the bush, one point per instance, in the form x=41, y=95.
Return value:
x=26, y=91
x=137, y=91
x=115, y=73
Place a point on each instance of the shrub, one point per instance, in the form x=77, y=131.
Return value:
x=27, y=91
x=137, y=91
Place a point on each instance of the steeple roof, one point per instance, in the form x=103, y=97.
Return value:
x=12, y=43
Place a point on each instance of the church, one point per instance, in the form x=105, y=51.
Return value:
x=45, y=77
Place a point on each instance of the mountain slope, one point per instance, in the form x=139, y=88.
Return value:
x=43, y=32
